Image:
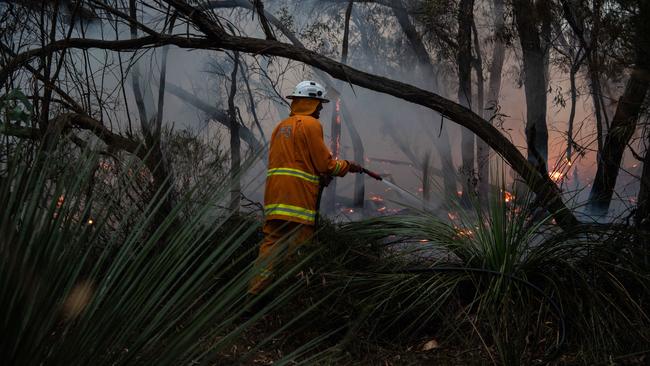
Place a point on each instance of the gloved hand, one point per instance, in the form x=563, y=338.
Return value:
x=325, y=180
x=354, y=167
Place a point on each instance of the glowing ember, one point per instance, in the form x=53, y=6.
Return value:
x=452, y=216
x=556, y=176
x=468, y=233
x=105, y=165
x=507, y=196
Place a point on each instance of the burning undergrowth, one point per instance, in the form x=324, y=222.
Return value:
x=498, y=276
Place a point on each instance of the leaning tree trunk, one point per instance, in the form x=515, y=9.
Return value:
x=620, y=133
x=217, y=38
x=534, y=83
x=625, y=118
x=464, y=60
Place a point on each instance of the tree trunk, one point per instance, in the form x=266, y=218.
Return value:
x=625, y=118
x=534, y=83
x=359, y=156
x=642, y=217
x=235, y=144
x=335, y=126
x=622, y=129
x=482, y=149
x=494, y=85
x=464, y=60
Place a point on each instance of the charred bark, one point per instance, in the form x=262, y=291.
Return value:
x=235, y=146
x=464, y=62
x=527, y=20
x=625, y=118
x=642, y=216
x=482, y=150
x=622, y=129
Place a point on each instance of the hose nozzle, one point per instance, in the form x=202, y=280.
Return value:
x=371, y=174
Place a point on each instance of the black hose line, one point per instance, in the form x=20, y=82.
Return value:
x=554, y=351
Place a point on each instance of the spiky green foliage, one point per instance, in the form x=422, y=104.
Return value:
x=500, y=276
x=145, y=287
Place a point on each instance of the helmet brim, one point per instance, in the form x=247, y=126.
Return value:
x=317, y=98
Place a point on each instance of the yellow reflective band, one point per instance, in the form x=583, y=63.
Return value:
x=293, y=173
x=337, y=168
x=292, y=211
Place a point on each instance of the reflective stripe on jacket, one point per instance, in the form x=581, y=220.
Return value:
x=297, y=156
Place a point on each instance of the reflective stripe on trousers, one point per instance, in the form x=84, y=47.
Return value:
x=289, y=210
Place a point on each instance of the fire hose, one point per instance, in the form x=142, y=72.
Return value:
x=323, y=182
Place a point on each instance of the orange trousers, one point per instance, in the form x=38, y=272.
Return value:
x=281, y=239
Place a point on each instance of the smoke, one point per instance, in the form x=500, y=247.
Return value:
x=398, y=136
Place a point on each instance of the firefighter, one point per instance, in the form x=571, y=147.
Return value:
x=299, y=161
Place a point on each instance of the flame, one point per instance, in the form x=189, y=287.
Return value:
x=507, y=196
x=556, y=176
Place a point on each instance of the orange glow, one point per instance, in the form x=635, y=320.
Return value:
x=376, y=198
x=105, y=165
x=60, y=201
x=452, y=216
x=569, y=162
x=468, y=233
x=556, y=176
x=507, y=196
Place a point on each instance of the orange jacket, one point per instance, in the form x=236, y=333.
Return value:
x=297, y=156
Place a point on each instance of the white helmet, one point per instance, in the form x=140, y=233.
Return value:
x=309, y=89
